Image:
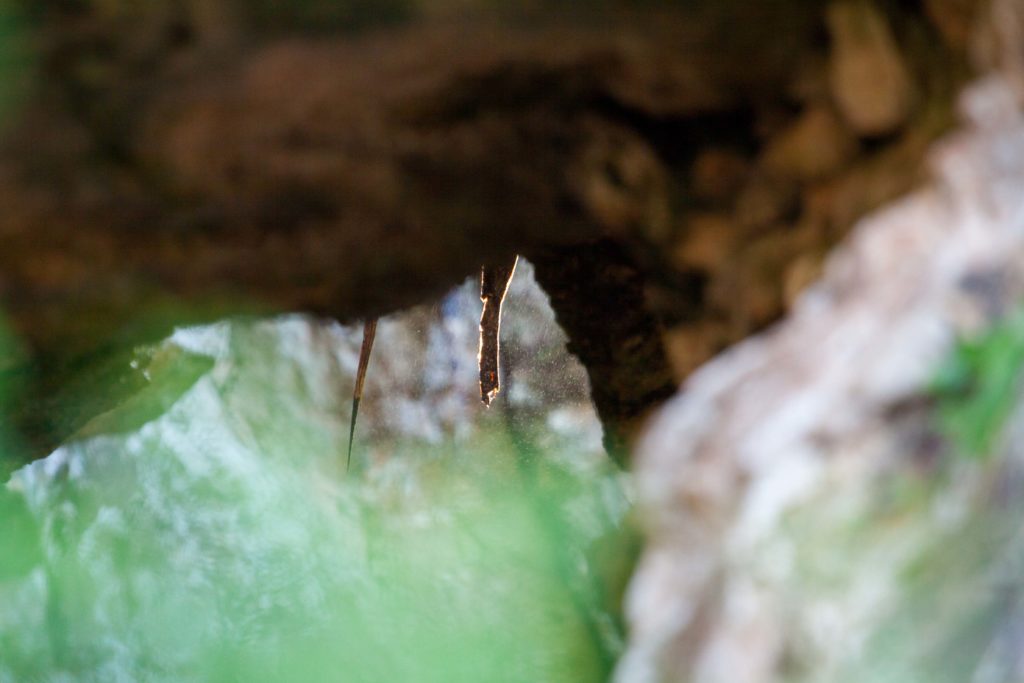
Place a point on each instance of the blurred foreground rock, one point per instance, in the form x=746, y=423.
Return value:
x=807, y=518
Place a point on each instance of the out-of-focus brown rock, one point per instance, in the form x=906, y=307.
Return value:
x=817, y=144
x=766, y=198
x=717, y=174
x=835, y=204
x=810, y=84
x=206, y=166
x=707, y=242
x=343, y=175
x=613, y=170
x=870, y=81
x=690, y=346
x=750, y=288
x=955, y=20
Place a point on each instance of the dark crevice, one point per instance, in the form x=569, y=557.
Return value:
x=677, y=139
x=597, y=293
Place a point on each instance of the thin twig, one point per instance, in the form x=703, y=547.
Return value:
x=369, y=332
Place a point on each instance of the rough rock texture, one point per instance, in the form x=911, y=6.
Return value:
x=798, y=481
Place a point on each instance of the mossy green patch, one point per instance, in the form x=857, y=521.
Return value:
x=977, y=386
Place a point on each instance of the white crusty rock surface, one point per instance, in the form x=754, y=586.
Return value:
x=206, y=530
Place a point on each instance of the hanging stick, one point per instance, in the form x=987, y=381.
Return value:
x=494, y=281
x=369, y=332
